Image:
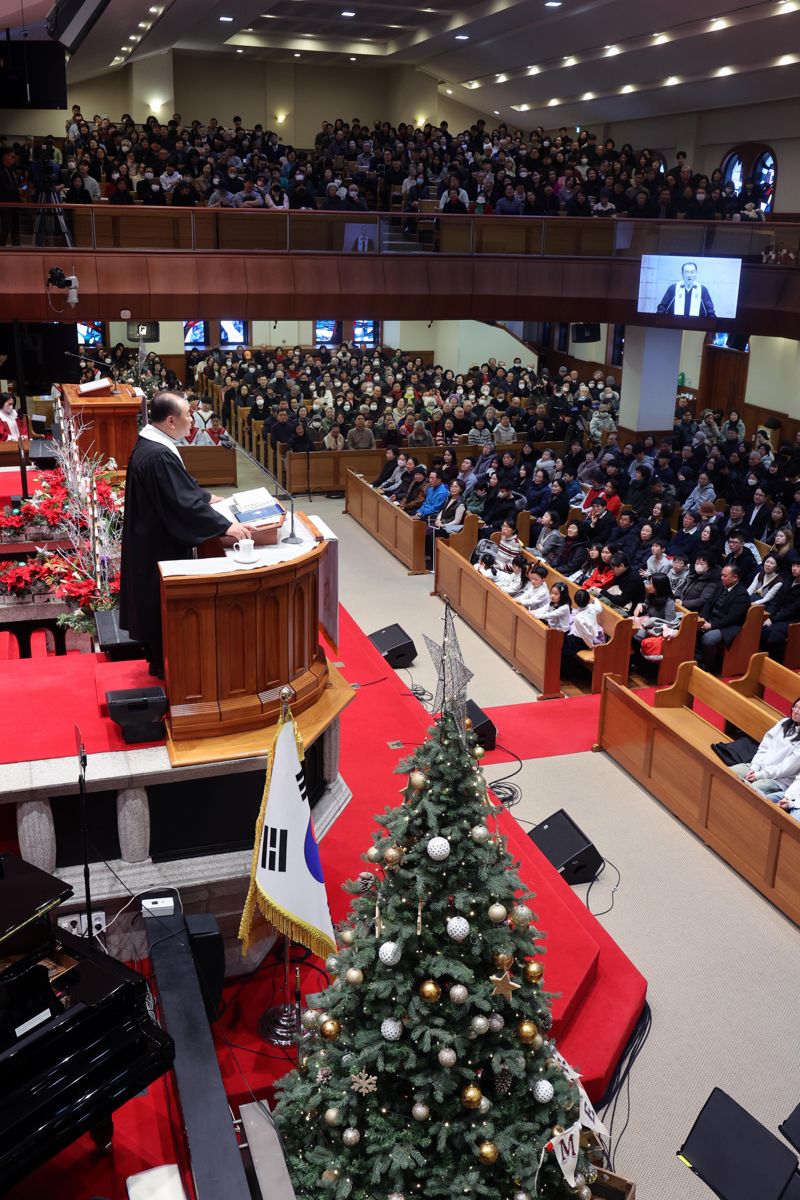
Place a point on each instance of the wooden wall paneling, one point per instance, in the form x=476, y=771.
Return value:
x=743, y=829
x=122, y=281
x=787, y=872
x=190, y=656
x=361, y=276
x=272, y=642
x=186, y=289
x=237, y=616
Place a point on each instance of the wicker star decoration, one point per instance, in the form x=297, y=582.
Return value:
x=453, y=674
x=364, y=1083
x=503, y=985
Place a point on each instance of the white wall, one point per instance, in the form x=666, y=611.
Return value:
x=590, y=351
x=462, y=344
x=410, y=335
x=691, y=356
x=773, y=376
x=284, y=333
x=170, y=339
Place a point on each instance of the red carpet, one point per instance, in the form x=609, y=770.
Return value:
x=544, y=728
x=11, y=484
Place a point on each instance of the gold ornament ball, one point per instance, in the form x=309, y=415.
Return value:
x=558, y=1130
x=330, y=1029
x=332, y=1116
x=347, y=937
x=471, y=1096
x=468, y=724
x=330, y=1176
x=503, y=961
x=373, y=854
x=526, y=1031
x=497, y=913
x=478, y=752
x=417, y=779
x=430, y=991
x=392, y=855
x=532, y=972
x=487, y=1152
x=521, y=915
x=354, y=976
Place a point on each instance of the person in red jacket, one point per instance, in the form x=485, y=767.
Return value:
x=11, y=427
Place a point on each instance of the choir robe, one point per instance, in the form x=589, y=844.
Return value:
x=167, y=514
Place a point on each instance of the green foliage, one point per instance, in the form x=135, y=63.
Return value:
x=438, y=1157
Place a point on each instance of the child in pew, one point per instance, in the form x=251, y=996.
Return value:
x=536, y=594
x=775, y=766
x=790, y=802
x=485, y=566
x=512, y=581
x=558, y=613
x=585, y=631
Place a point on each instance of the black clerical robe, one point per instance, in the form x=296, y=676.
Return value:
x=167, y=513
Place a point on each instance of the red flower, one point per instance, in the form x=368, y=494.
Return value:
x=13, y=521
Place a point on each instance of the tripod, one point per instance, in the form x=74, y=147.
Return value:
x=44, y=229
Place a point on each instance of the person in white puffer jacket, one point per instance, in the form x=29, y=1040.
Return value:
x=776, y=763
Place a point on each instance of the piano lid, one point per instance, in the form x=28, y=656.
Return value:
x=26, y=893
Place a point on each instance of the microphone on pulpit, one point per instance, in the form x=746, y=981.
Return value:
x=82, y=358
x=291, y=538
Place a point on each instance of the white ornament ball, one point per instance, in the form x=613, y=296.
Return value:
x=457, y=928
x=522, y=914
x=420, y=1111
x=417, y=779
x=580, y=1180
x=389, y=954
x=479, y=1025
x=373, y=854
x=332, y=1116
x=331, y=964
x=351, y=1137
x=447, y=1057
x=496, y=1022
x=522, y=1196
x=391, y=1029
x=438, y=849
x=497, y=913
x=395, y=1196
x=479, y=834
x=354, y=976
x=459, y=994
x=484, y=1105
x=543, y=1091
x=310, y=1019
x=585, y=1193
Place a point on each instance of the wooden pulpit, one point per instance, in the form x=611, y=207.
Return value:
x=110, y=419
x=232, y=641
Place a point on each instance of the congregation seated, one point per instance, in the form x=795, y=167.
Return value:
x=775, y=766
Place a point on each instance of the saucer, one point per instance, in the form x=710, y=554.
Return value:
x=245, y=562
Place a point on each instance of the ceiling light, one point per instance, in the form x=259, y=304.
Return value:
x=719, y=23
x=660, y=38
x=348, y=12
x=462, y=37
x=280, y=117
x=587, y=96
x=296, y=55
x=226, y=19
x=788, y=6
x=533, y=70
x=144, y=25
x=353, y=58
x=473, y=83
x=154, y=10
x=627, y=89
x=552, y=103
x=671, y=80
x=134, y=37
x=127, y=49
x=240, y=51
x=248, y=30
x=501, y=78
x=612, y=51
x=523, y=107
x=569, y=60
x=725, y=71
x=786, y=60
x=496, y=113
x=552, y=3
x=430, y=10
x=449, y=91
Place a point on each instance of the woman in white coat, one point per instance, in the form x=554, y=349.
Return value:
x=776, y=763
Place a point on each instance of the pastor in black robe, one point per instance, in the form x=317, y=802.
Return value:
x=167, y=514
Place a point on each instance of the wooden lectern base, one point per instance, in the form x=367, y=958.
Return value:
x=249, y=743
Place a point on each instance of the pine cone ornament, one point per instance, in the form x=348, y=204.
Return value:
x=503, y=1082
x=544, y=1020
x=324, y=1075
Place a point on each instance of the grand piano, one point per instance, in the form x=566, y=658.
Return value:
x=76, y=1038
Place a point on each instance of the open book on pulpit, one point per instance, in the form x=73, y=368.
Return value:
x=257, y=508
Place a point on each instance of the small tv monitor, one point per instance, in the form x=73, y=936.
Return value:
x=686, y=288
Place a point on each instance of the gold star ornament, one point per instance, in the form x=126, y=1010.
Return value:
x=503, y=985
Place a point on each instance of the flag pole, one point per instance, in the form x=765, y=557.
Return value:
x=279, y=1025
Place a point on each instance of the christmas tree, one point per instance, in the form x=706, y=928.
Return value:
x=426, y=1068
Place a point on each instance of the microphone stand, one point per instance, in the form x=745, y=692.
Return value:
x=82, y=761
x=291, y=538
x=82, y=358
x=22, y=395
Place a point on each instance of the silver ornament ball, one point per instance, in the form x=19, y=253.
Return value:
x=497, y=913
x=580, y=1180
x=389, y=954
x=332, y=1116
x=310, y=1019
x=420, y=1111
x=496, y=1022
x=479, y=1025
x=484, y=1105
x=373, y=854
x=354, y=976
x=391, y=1030
x=351, y=1137
x=479, y=834
x=447, y=1057
x=458, y=994
x=331, y=964
x=522, y=914
x=522, y=1196
x=395, y=1196
x=585, y=1193
x=543, y=1091
x=438, y=849
x=457, y=929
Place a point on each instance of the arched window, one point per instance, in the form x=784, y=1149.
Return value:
x=756, y=162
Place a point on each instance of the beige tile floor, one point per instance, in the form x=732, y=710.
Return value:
x=722, y=965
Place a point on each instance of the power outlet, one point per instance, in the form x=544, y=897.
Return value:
x=98, y=923
x=158, y=906
x=71, y=922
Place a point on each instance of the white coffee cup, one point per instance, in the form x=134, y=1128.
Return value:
x=245, y=549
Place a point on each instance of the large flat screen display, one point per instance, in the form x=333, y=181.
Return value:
x=686, y=288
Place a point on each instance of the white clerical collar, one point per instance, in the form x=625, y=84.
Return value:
x=157, y=435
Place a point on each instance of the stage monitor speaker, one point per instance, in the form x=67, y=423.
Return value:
x=736, y=1156
x=482, y=726
x=395, y=645
x=208, y=953
x=791, y=1128
x=567, y=847
x=139, y=712
x=585, y=333
x=42, y=453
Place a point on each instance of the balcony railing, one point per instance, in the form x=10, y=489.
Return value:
x=110, y=227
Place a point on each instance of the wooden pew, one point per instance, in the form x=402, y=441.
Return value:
x=737, y=656
x=667, y=749
x=679, y=649
x=465, y=541
x=210, y=465
x=762, y=674
x=402, y=535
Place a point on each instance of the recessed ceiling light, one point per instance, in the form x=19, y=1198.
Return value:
x=501, y=78
x=552, y=3
x=296, y=55
x=786, y=60
x=725, y=71
x=552, y=103
x=719, y=23
x=127, y=49
x=523, y=107
x=428, y=10
x=226, y=19
x=462, y=37
x=449, y=91
x=612, y=51
x=569, y=60
x=473, y=83
x=533, y=70
x=495, y=111
x=154, y=10
x=348, y=12
x=788, y=6
x=660, y=38
x=671, y=80
x=240, y=51
x=248, y=30
x=627, y=89
x=144, y=25
x=353, y=58
x=587, y=96
x=134, y=37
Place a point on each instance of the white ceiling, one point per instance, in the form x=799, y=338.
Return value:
x=598, y=60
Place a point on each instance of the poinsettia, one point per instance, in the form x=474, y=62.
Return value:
x=12, y=521
x=18, y=578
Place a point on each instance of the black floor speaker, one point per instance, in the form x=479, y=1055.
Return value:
x=139, y=712
x=483, y=728
x=208, y=953
x=395, y=645
x=567, y=848
x=736, y=1156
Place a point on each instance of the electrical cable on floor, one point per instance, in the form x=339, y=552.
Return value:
x=622, y=1079
x=418, y=691
x=614, y=890
x=370, y=682
x=507, y=793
